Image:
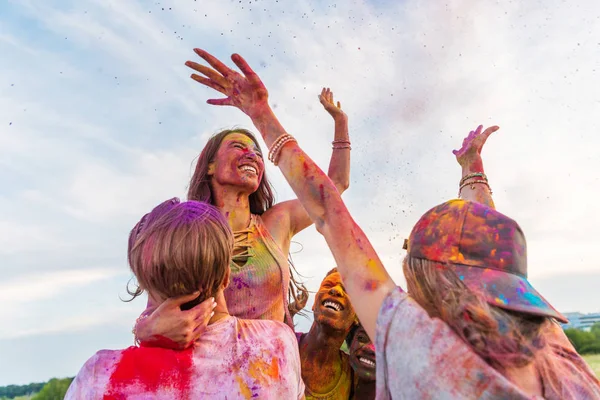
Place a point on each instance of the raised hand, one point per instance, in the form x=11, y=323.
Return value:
x=335, y=110
x=244, y=91
x=169, y=326
x=470, y=152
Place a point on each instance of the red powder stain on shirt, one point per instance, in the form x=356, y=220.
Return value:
x=151, y=369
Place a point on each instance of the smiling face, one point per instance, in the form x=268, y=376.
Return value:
x=362, y=355
x=238, y=163
x=332, y=306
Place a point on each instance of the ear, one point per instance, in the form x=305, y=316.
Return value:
x=226, y=277
x=211, y=169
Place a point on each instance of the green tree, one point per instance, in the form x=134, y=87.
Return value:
x=596, y=330
x=55, y=389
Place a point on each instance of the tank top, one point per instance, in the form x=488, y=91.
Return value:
x=344, y=388
x=260, y=276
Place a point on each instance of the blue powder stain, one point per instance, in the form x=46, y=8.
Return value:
x=503, y=299
x=462, y=277
x=533, y=299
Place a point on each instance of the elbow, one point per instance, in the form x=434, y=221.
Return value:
x=343, y=186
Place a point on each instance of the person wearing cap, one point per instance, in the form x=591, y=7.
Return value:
x=477, y=329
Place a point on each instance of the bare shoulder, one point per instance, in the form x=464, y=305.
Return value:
x=277, y=221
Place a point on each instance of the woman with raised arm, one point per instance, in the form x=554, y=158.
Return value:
x=472, y=326
x=230, y=174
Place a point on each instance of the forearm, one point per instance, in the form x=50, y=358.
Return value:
x=364, y=276
x=477, y=192
x=339, y=165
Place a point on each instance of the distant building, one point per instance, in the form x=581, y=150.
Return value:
x=581, y=321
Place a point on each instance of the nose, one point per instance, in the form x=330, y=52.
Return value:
x=336, y=291
x=370, y=346
x=250, y=154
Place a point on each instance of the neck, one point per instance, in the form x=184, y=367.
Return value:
x=234, y=205
x=322, y=344
x=365, y=389
x=320, y=358
x=221, y=308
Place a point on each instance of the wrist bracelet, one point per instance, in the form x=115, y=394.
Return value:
x=346, y=146
x=472, y=184
x=278, y=145
x=473, y=175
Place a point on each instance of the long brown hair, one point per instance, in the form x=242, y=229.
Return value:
x=504, y=339
x=260, y=201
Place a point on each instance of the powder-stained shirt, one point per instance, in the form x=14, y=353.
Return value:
x=419, y=357
x=234, y=359
x=343, y=389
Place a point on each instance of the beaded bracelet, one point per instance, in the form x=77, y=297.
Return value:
x=473, y=186
x=340, y=142
x=276, y=144
x=473, y=175
x=345, y=146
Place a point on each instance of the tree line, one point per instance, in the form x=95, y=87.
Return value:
x=54, y=389
x=585, y=342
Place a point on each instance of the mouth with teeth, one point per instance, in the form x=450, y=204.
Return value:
x=332, y=305
x=249, y=168
x=367, y=361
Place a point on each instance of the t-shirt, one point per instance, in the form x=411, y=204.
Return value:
x=234, y=359
x=419, y=357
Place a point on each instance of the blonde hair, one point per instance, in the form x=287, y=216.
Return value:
x=179, y=248
x=504, y=339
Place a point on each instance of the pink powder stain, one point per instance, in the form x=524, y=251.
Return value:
x=151, y=368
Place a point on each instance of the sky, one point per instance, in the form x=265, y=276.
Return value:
x=99, y=122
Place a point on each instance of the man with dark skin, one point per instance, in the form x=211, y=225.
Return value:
x=362, y=360
x=326, y=369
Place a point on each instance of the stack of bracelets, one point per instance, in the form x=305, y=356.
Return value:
x=463, y=182
x=278, y=144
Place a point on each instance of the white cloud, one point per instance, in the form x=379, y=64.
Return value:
x=42, y=286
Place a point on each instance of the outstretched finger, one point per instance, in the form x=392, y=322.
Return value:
x=208, y=72
x=339, y=105
x=489, y=131
x=214, y=62
x=221, y=102
x=209, y=83
x=245, y=68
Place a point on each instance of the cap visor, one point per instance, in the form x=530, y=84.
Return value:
x=508, y=291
